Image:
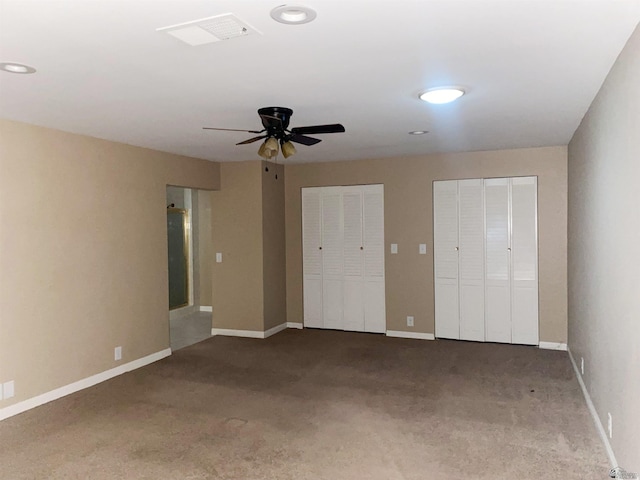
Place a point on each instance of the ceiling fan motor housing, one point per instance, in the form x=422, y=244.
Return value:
x=275, y=120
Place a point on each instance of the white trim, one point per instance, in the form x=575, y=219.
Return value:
x=294, y=325
x=34, y=402
x=236, y=333
x=248, y=333
x=553, y=346
x=274, y=330
x=204, y=308
x=594, y=414
x=416, y=335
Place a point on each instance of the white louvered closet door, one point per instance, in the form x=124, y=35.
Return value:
x=445, y=238
x=497, y=267
x=353, y=259
x=373, y=247
x=312, y=257
x=524, y=261
x=471, y=259
x=332, y=258
x=343, y=258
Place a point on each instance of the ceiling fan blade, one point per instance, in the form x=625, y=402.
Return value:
x=304, y=140
x=316, y=129
x=251, y=140
x=232, y=130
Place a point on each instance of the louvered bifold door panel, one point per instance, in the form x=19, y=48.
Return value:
x=445, y=239
x=497, y=278
x=312, y=257
x=471, y=259
x=332, y=258
x=373, y=247
x=353, y=259
x=524, y=261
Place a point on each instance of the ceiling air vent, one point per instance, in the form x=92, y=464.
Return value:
x=210, y=29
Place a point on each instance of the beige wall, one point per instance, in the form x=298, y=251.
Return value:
x=248, y=229
x=205, y=247
x=83, y=253
x=604, y=253
x=408, y=222
x=274, y=252
x=237, y=233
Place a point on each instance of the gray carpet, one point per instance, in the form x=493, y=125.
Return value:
x=318, y=405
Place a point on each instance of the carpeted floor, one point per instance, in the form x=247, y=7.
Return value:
x=318, y=405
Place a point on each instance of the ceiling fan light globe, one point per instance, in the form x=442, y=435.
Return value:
x=264, y=152
x=271, y=144
x=288, y=149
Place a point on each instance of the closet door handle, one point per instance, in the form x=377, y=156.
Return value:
x=457, y=248
x=361, y=248
x=319, y=248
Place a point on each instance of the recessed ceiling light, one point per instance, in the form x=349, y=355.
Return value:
x=16, y=68
x=442, y=94
x=418, y=132
x=293, y=14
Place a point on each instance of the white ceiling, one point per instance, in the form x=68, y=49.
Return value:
x=531, y=67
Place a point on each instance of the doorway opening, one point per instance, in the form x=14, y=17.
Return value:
x=189, y=264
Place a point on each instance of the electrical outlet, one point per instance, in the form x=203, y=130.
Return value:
x=8, y=389
x=610, y=425
x=394, y=248
x=582, y=365
x=409, y=321
x=423, y=249
x=117, y=353
x=218, y=257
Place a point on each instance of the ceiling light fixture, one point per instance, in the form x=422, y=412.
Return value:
x=441, y=95
x=293, y=14
x=418, y=132
x=287, y=148
x=269, y=148
x=16, y=68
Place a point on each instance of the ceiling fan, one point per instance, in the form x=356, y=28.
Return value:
x=275, y=121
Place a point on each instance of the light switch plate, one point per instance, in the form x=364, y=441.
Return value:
x=409, y=321
x=394, y=248
x=423, y=249
x=218, y=257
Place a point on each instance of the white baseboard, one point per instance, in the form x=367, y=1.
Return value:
x=274, y=330
x=594, y=414
x=226, y=332
x=553, y=346
x=248, y=333
x=204, y=308
x=416, y=335
x=34, y=402
x=294, y=325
